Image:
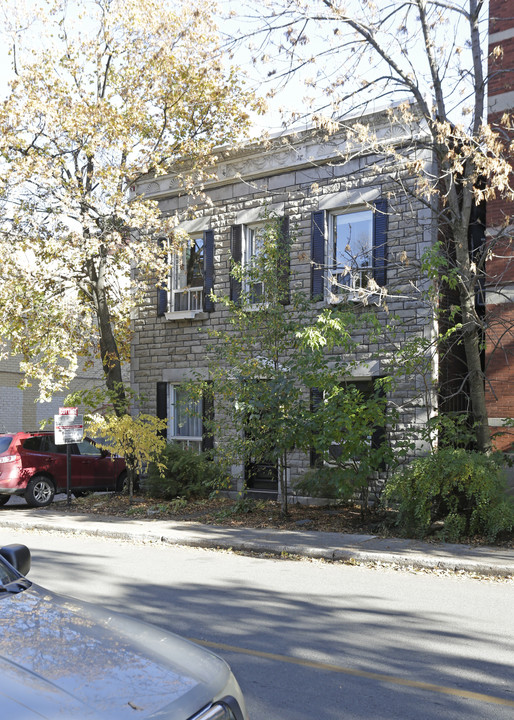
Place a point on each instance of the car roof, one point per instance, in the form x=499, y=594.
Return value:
x=27, y=432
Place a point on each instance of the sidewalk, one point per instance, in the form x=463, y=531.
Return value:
x=330, y=546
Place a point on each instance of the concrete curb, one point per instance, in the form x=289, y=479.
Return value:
x=335, y=547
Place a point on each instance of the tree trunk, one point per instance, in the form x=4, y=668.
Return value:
x=110, y=357
x=460, y=194
x=472, y=339
x=109, y=353
x=282, y=470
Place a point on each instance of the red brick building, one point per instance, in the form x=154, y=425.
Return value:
x=499, y=354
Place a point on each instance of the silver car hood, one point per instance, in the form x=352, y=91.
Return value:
x=61, y=659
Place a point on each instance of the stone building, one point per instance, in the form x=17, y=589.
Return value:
x=319, y=188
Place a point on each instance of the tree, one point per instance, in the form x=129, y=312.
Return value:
x=102, y=93
x=280, y=380
x=138, y=439
x=427, y=56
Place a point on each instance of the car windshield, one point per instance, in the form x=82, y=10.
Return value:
x=5, y=441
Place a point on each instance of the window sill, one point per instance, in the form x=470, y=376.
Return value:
x=186, y=315
x=357, y=298
x=346, y=297
x=255, y=307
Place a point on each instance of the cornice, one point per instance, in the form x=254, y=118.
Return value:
x=307, y=149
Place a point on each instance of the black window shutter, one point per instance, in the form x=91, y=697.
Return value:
x=284, y=259
x=317, y=253
x=208, y=270
x=236, y=241
x=162, y=404
x=162, y=302
x=162, y=293
x=208, y=417
x=316, y=460
x=380, y=241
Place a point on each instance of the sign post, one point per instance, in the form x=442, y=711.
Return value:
x=68, y=429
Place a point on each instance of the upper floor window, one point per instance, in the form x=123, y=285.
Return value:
x=351, y=249
x=191, y=279
x=247, y=243
x=348, y=250
x=252, y=247
x=186, y=281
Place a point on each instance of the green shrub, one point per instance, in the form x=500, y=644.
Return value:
x=183, y=472
x=463, y=489
x=337, y=483
x=242, y=506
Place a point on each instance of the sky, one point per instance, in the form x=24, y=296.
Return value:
x=291, y=96
x=228, y=27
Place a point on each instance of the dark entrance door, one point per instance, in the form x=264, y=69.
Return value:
x=261, y=475
x=262, y=480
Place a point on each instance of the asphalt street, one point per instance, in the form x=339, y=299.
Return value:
x=306, y=639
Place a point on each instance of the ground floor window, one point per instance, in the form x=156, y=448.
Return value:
x=367, y=389
x=185, y=417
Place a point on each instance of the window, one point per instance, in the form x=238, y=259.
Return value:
x=191, y=279
x=367, y=391
x=246, y=242
x=46, y=444
x=187, y=277
x=34, y=444
x=87, y=447
x=372, y=436
x=188, y=420
x=261, y=471
x=348, y=249
x=5, y=442
x=252, y=247
x=185, y=417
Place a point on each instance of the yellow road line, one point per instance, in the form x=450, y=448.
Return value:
x=441, y=689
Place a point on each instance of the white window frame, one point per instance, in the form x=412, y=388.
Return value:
x=357, y=276
x=194, y=440
x=194, y=294
x=248, y=244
